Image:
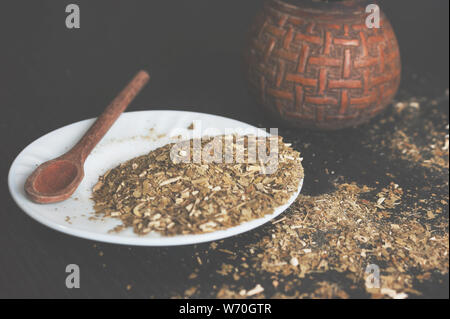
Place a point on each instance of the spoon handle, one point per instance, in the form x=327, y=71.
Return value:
x=104, y=122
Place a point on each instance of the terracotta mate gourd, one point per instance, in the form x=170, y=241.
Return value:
x=316, y=64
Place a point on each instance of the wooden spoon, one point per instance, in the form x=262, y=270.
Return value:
x=57, y=179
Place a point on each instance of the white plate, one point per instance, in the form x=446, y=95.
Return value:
x=134, y=133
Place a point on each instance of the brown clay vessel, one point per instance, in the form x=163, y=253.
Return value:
x=316, y=64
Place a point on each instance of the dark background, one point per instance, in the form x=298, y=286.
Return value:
x=51, y=76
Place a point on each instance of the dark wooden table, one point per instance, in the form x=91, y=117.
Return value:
x=51, y=77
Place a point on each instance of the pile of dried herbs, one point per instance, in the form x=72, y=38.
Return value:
x=154, y=193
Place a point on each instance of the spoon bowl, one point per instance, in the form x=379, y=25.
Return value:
x=53, y=181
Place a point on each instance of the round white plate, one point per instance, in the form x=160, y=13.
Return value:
x=134, y=134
